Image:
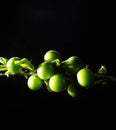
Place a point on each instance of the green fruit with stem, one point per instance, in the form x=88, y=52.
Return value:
x=58, y=82
x=45, y=70
x=85, y=77
x=72, y=65
x=12, y=67
x=52, y=55
x=34, y=82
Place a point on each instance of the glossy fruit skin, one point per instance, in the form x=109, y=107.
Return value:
x=34, y=82
x=52, y=55
x=45, y=70
x=73, y=89
x=73, y=64
x=12, y=67
x=85, y=77
x=58, y=82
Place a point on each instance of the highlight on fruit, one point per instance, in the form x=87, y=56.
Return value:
x=59, y=75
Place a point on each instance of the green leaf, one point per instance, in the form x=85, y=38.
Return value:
x=3, y=68
x=3, y=60
x=102, y=70
x=8, y=73
x=25, y=63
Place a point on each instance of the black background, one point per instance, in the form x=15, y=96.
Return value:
x=83, y=28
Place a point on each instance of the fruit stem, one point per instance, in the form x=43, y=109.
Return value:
x=21, y=74
x=101, y=78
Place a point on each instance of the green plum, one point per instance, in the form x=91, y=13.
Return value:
x=34, y=82
x=45, y=70
x=58, y=82
x=85, y=77
x=52, y=55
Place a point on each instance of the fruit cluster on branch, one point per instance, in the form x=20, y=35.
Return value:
x=58, y=75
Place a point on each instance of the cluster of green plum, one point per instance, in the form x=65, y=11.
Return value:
x=57, y=74
x=61, y=75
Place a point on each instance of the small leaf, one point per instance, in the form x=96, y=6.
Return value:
x=102, y=70
x=25, y=63
x=3, y=68
x=3, y=60
x=8, y=73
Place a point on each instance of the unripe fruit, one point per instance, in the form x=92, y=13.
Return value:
x=52, y=55
x=34, y=82
x=45, y=70
x=85, y=77
x=73, y=89
x=12, y=67
x=58, y=82
x=73, y=64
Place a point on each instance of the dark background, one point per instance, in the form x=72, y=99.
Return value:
x=84, y=28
